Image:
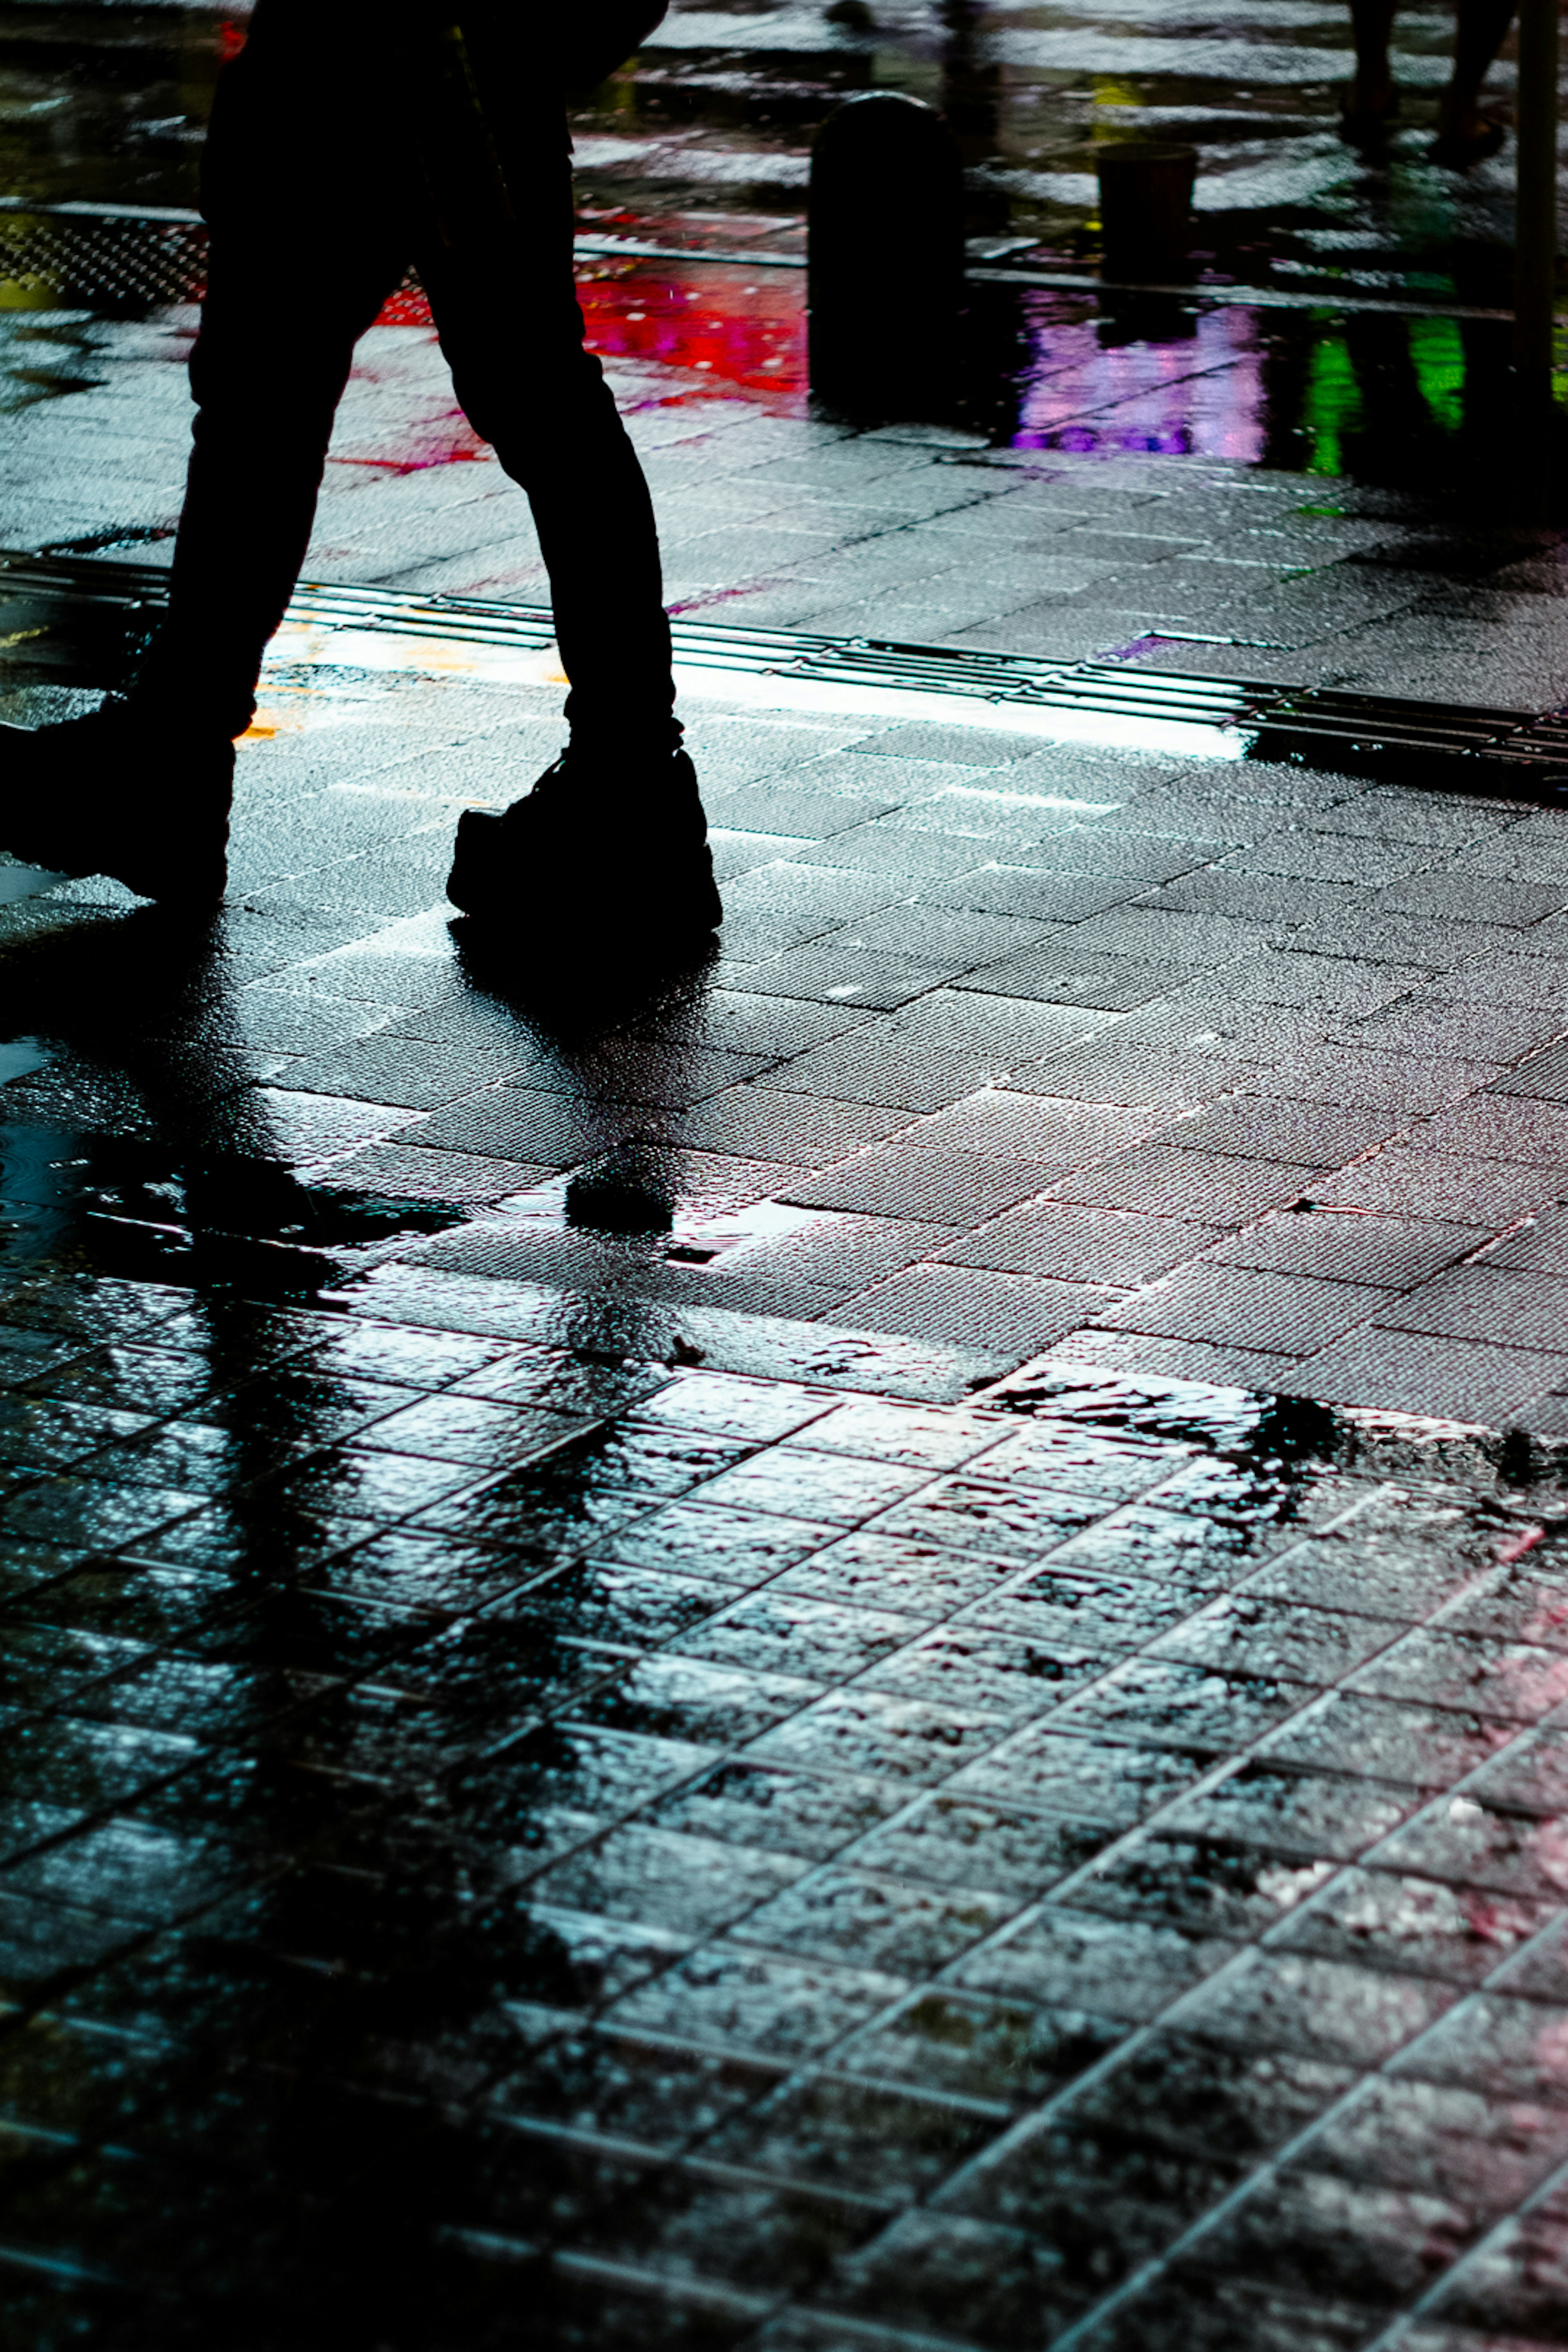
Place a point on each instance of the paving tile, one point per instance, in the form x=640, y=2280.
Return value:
x=918, y=1578
x=813, y=1663
x=1079, y=1244
x=1234, y=1304
x=1309, y=1135
x=1031, y=1127
x=983, y=2049
x=1497, y=1126
x=1071, y=1958
x=1019, y=1314
x=792, y=1128
x=855, y=2136
x=1503, y=2047
x=1408, y=1373
x=1294, y=1812
x=1443, y=2141
x=1208, y=1187
x=1389, y=1253
x=752, y=2000
x=840, y=1489
x=1327, y=2009
x=1359, y=1077
x=1380, y=2246
x=781, y=1811
x=1541, y=1077
x=1055, y=975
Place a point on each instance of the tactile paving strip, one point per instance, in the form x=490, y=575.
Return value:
x=1442, y=746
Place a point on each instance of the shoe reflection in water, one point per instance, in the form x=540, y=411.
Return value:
x=343, y=149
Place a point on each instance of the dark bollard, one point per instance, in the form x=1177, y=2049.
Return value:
x=885, y=255
x=1145, y=208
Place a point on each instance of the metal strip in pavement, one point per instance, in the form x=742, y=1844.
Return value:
x=1109, y=701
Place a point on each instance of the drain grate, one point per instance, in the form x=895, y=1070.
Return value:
x=1445, y=746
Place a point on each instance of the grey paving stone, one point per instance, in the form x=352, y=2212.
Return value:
x=1436, y=1024
x=1312, y=1135
x=1498, y=1126
x=1055, y=975
x=1290, y=976
x=1460, y=1188
x=1544, y=1075
x=1390, y=1253
x=842, y=1253
x=1032, y=1127
x=802, y=1129
x=941, y=1186
x=1538, y=1245
x=1408, y=1373
x=1188, y=1184
x=1080, y=1244
x=1133, y=1075
x=1350, y=1074
x=845, y=973
x=1017, y=1314
x=1236, y=1306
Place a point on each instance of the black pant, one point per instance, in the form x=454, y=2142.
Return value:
x=316, y=203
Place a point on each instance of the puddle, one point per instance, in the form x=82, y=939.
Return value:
x=93, y=1204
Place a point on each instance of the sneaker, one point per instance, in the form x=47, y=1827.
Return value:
x=120, y=793
x=645, y=870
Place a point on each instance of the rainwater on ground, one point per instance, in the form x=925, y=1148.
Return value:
x=757, y=1661
x=704, y=146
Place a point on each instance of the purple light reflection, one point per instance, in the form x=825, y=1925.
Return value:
x=1196, y=393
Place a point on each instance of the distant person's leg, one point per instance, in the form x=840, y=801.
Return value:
x=1369, y=102
x=1465, y=134
x=618, y=820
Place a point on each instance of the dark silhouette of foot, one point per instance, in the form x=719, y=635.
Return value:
x=1366, y=113
x=621, y=846
x=1465, y=136
x=126, y=792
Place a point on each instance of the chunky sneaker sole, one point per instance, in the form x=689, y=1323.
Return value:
x=91, y=797
x=552, y=861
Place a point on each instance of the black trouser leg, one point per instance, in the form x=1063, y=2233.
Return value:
x=267, y=373
x=512, y=331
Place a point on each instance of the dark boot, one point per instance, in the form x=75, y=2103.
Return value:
x=618, y=848
x=128, y=791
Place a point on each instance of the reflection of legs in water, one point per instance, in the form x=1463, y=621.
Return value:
x=1464, y=134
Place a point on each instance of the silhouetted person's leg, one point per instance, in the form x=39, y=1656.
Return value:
x=512, y=331
x=299, y=265
x=1368, y=101
x=266, y=396
x=1464, y=134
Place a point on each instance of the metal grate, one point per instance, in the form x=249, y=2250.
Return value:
x=106, y=257
x=1447, y=746
x=85, y=262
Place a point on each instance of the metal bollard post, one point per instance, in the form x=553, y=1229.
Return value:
x=1535, y=229
x=885, y=256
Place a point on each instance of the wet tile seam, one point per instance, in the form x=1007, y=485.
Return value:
x=1282, y=2157
x=1025, y=2126
x=821, y=2065
x=1349, y=1511
x=1489, y=2241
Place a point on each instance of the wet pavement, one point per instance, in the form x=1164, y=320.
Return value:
x=513, y=1845
x=860, y=1650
